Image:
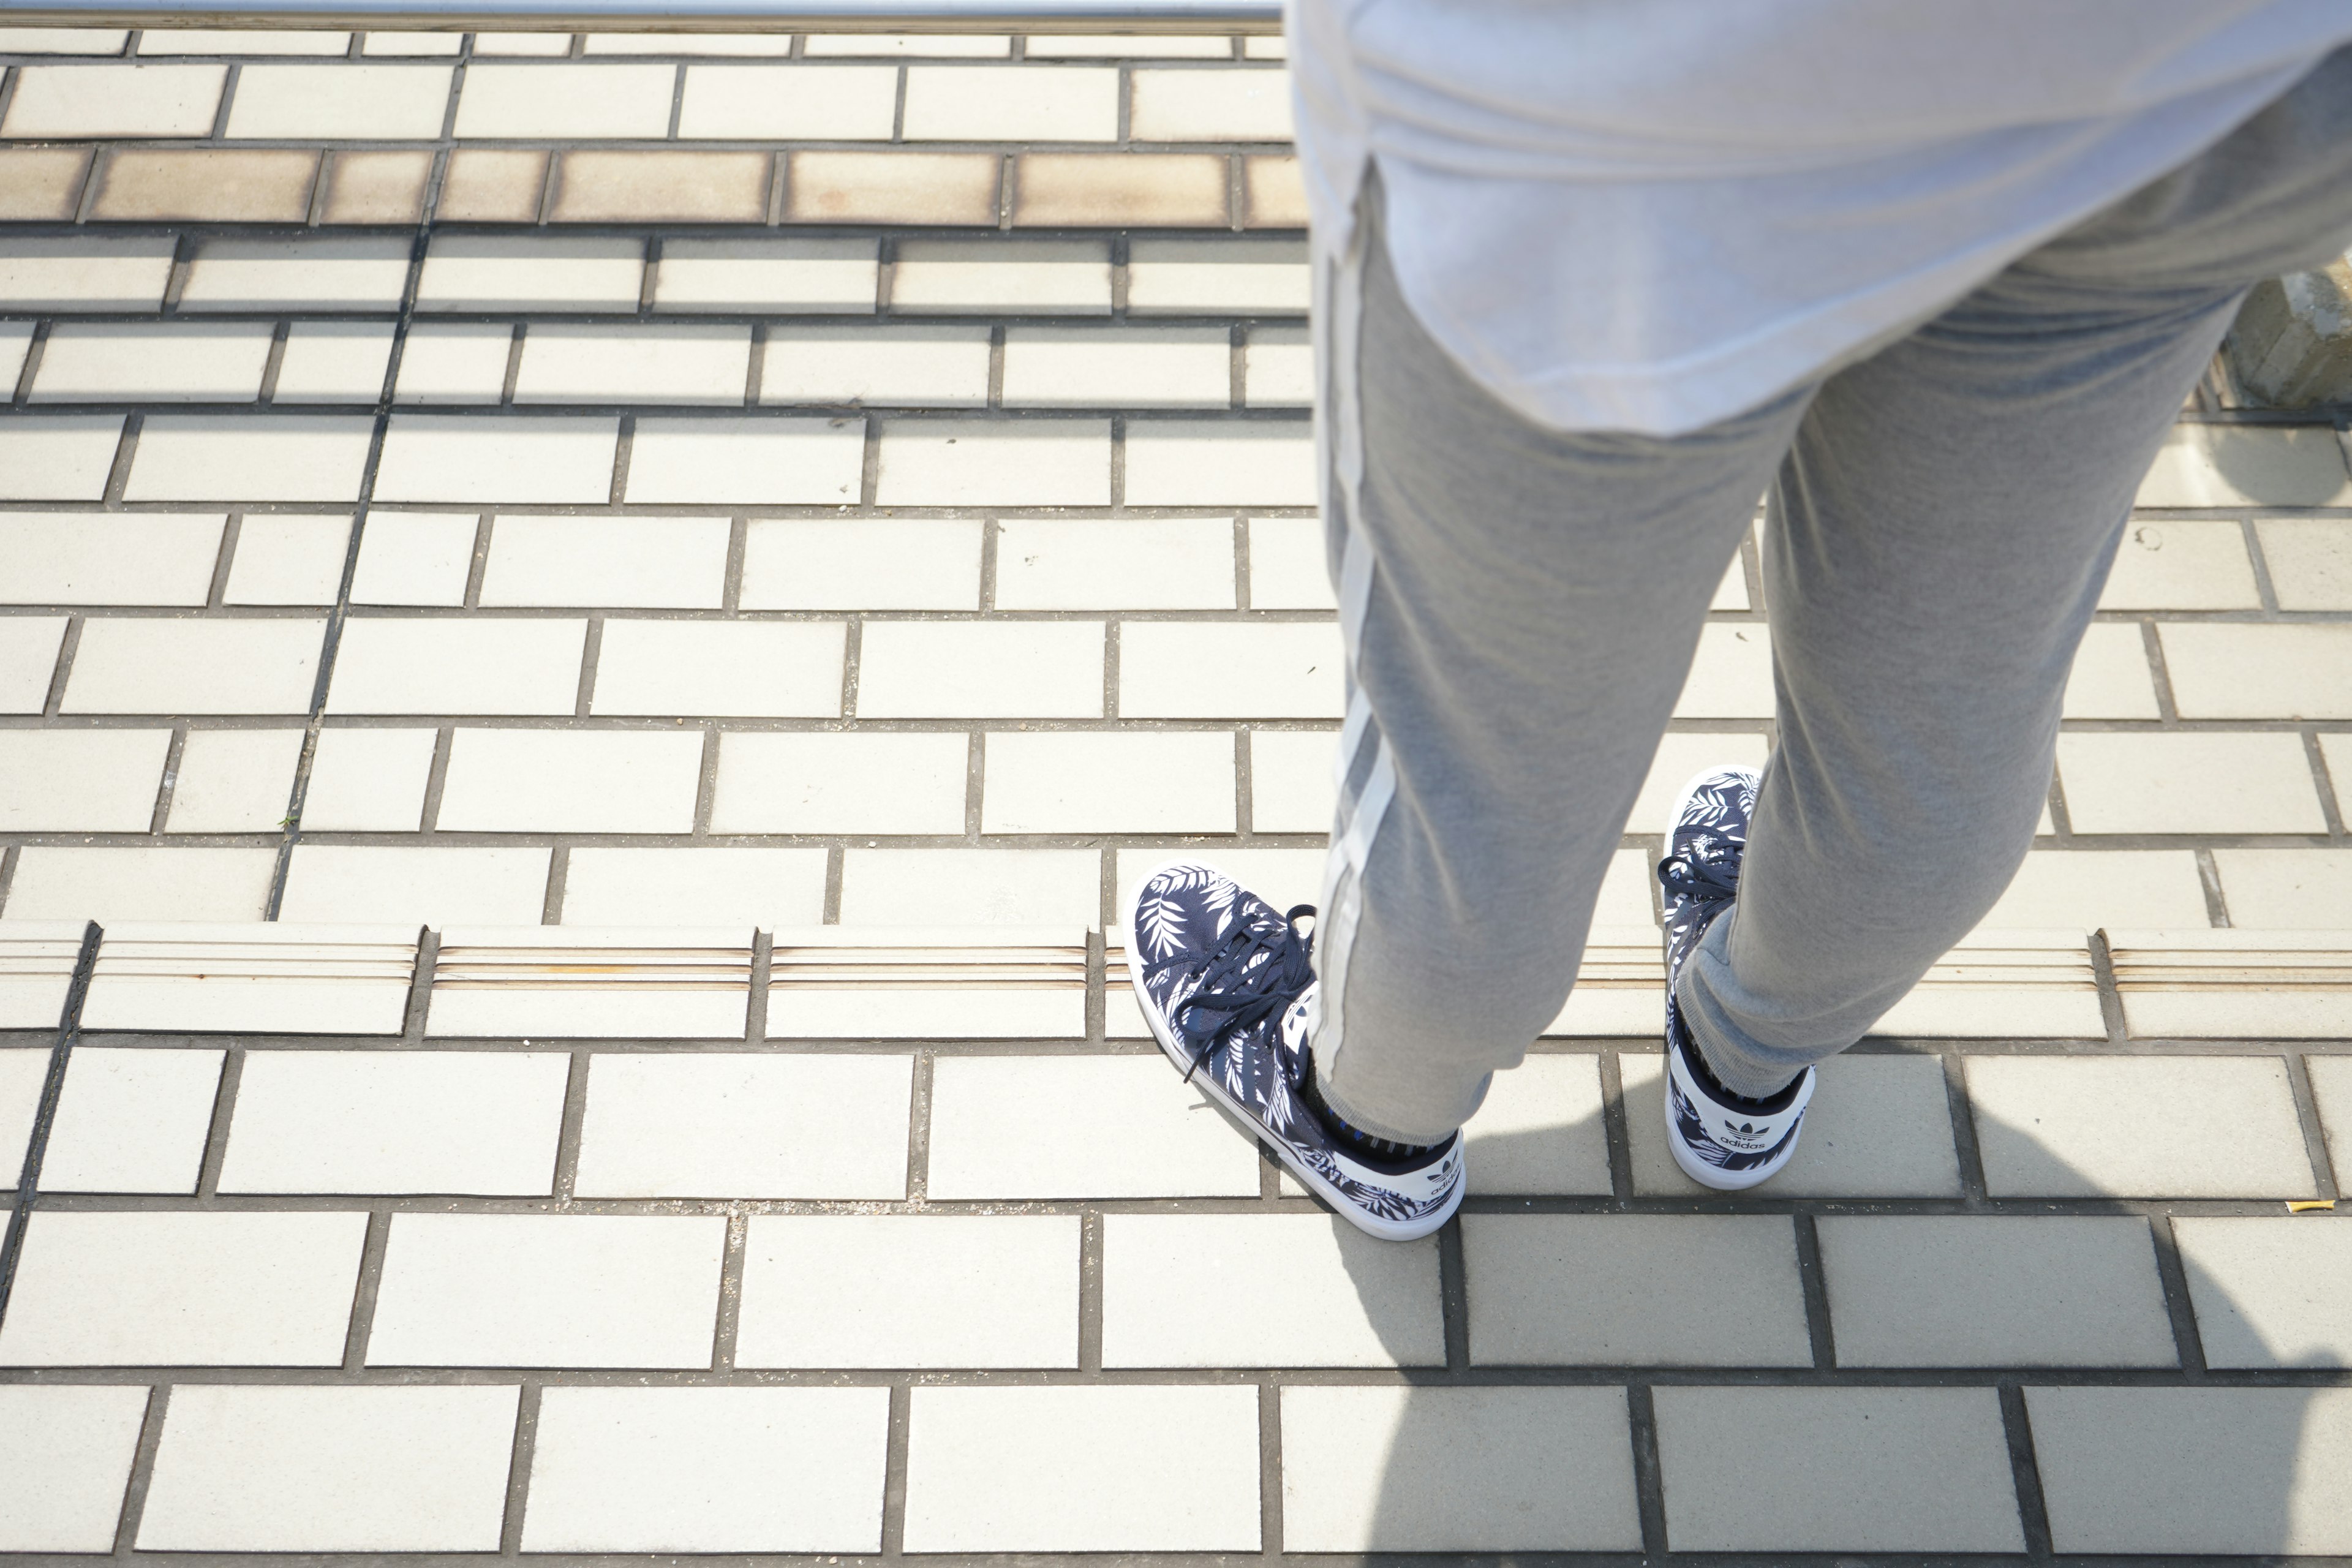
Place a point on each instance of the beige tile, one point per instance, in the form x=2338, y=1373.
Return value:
x=916, y=367
x=333, y=361
x=2194, y=1470
x=840, y=783
x=81, y=779
x=1296, y=668
x=63, y=41
x=131, y=1120
x=243, y=185
x=1155, y=1136
x=1848, y=1469
x=1287, y=570
x=2269, y=1292
x=2247, y=465
x=1105, y=190
x=437, y=887
x=65, y=882
x=1879, y=1126
x=109, y=558
x=524, y=44
x=1465, y=1470
x=2076, y=1127
x=2082, y=890
x=1075, y=1469
x=454, y=362
x=762, y=460
x=477, y=458
x=2110, y=678
x=594, y=186
x=967, y=887
x=340, y=102
x=453, y=665
x=973, y=462
x=1183, y=462
x=708, y=1469
x=553, y=781
x=1980, y=1291
x=762, y=888
x=286, y=456
x=1294, y=1290
x=28, y=660
x=288, y=558
x=2285, y=889
x=368, y=781
x=68, y=1451
x=482, y=1289
x=655, y=563
x=2199, y=783
x=920, y=46
x=1127, y=45
x=235, y=781
x=563, y=363
x=1278, y=371
x=415, y=558
x=1291, y=788
x=1238, y=105
x=25, y=1069
x=892, y=188
x=127, y=362
x=396, y=1121
x=1135, y=367
x=1264, y=46
x=1074, y=563
x=498, y=273
x=2222, y=671
x=1031, y=277
x=1593, y=1289
x=1131, y=782
x=58, y=457
x=183, y=1289
x=375, y=187
x=290, y=1468
x=887, y=1290
x=977, y=669
x=777, y=44
x=1539, y=1130
x=2310, y=560
x=1247, y=277
x=1731, y=675
x=493, y=184
x=1274, y=193
x=567, y=102
x=15, y=343
x=1011, y=103
x=114, y=100
x=751, y=669
x=126, y=666
x=86, y=272
x=850, y=563
x=2177, y=564
x=400, y=44
x=243, y=41
x=799, y=275
x=734, y=1125
x=42, y=185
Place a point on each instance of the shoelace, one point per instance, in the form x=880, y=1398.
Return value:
x=1707, y=874
x=1252, y=973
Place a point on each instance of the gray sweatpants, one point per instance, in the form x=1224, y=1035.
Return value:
x=1521, y=606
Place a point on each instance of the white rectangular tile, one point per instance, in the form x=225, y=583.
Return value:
x=282, y=977
x=862, y=563
x=131, y=1120
x=667, y=983
x=762, y=888
x=1131, y=782
x=99, y=558
x=2076, y=1127
x=765, y=461
x=880, y=367
x=981, y=669
x=1156, y=1137
x=67, y=1452
x=720, y=668
x=543, y=459
x=739, y=1125
x=454, y=665
x=975, y=462
x=840, y=783
x=212, y=665
x=396, y=1121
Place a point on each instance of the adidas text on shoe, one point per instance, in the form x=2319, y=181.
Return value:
x=1720, y=1140
x=1224, y=982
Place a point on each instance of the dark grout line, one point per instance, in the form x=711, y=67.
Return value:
x=1614, y=1128
x=1813, y=1280
x=45, y=1113
x=2025, y=1473
x=2326, y=1183
x=893, y=1476
x=168, y=784
x=2180, y=1305
x=2209, y=878
x=571, y=1130
x=919, y=1128
x=1649, y=1478
x=526, y=1440
x=2111, y=1001
x=1453, y=1295
x=1962, y=1117
x=559, y=871
x=370, y=1281
x=1090, y=1291
x=725, y=1330
x=232, y=1077
x=755, y=1012
x=142, y=1470
x=1269, y=1472
x=2322, y=778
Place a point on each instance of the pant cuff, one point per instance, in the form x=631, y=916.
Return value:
x=1375, y=1125
x=1739, y=1062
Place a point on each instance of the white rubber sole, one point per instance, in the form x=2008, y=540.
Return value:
x=1337, y=1201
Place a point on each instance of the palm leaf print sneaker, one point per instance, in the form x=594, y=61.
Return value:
x=1721, y=1140
x=1224, y=982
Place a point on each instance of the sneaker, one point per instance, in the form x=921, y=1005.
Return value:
x=1224, y=982
x=1721, y=1140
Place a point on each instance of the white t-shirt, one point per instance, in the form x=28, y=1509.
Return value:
x=1650, y=215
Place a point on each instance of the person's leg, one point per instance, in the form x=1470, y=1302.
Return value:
x=1937, y=542
x=1520, y=607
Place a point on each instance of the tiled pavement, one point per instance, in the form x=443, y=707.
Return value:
x=771, y=549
